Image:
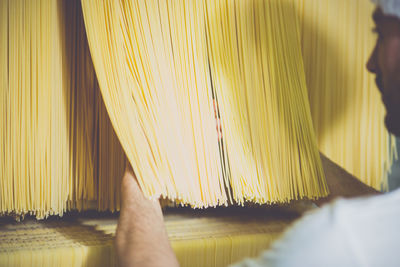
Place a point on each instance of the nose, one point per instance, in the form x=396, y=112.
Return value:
x=371, y=63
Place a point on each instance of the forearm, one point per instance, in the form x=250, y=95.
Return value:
x=141, y=238
x=341, y=183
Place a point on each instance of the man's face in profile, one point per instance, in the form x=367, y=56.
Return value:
x=385, y=63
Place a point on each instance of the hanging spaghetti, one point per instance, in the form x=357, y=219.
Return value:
x=57, y=147
x=157, y=63
x=345, y=104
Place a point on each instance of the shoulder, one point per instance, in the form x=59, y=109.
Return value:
x=356, y=232
x=314, y=240
x=309, y=242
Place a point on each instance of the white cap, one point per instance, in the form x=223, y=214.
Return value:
x=389, y=7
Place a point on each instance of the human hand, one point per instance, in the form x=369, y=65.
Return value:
x=141, y=238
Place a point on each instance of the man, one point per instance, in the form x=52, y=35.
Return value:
x=357, y=232
x=385, y=60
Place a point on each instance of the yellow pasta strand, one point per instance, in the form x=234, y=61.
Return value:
x=168, y=72
x=345, y=103
x=216, y=239
x=158, y=63
x=169, y=134
x=58, y=148
x=259, y=79
x=34, y=118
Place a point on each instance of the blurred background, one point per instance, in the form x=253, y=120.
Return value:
x=394, y=176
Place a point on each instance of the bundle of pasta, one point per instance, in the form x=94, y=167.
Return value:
x=58, y=149
x=345, y=104
x=162, y=67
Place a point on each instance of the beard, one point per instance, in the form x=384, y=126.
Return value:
x=392, y=121
x=391, y=100
x=392, y=118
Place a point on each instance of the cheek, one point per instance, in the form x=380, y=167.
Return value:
x=389, y=56
x=389, y=65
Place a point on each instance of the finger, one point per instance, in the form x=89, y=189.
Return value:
x=128, y=168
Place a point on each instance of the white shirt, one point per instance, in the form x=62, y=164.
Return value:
x=357, y=232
